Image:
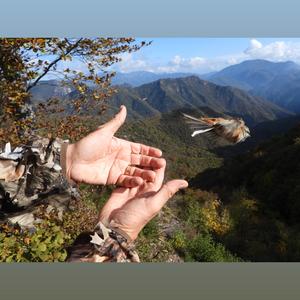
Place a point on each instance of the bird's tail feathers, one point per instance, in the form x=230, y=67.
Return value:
x=197, y=125
x=192, y=120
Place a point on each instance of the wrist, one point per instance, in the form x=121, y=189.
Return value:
x=125, y=231
x=69, y=155
x=66, y=161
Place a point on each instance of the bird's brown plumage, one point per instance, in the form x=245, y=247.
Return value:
x=233, y=130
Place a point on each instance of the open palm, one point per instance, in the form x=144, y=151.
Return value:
x=130, y=209
x=101, y=158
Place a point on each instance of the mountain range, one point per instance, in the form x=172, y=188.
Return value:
x=138, y=78
x=166, y=95
x=48, y=89
x=278, y=82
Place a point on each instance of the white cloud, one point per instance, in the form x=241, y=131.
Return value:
x=181, y=64
x=275, y=51
x=254, y=44
x=131, y=63
x=196, y=64
x=176, y=60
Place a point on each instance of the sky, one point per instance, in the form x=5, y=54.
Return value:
x=204, y=55
x=198, y=55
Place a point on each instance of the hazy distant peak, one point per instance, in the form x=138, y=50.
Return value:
x=278, y=82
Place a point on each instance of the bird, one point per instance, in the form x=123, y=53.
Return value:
x=233, y=130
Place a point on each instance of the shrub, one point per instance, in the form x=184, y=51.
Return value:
x=46, y=243
x=201, y=248
x=151, y=229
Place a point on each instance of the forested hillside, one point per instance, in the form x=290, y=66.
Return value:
x=229, y=211
x=230, y=206
x=261, y=189
x=167, y=95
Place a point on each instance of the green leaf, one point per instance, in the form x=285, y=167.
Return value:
x=42, y=247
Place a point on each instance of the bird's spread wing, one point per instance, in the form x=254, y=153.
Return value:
x=204, y=124
x=232, y=130
x=212, y=121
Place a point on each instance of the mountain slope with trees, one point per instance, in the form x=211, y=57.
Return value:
x=191, y=92
x=278, y=82
x=167, y=95
x=261, y=190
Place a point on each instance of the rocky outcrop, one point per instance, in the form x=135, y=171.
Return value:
x=30, y=176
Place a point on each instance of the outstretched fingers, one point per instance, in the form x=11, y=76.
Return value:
x=137, y=148
x=134, y=177
x=129, y=181
x=146, y=174
x=146, y=161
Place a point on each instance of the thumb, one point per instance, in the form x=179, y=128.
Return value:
x=167, y=191
x=114, y=124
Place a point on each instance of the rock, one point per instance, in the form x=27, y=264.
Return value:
x=175, y=258
x=24, y=220
x=170, y=228
x=41, y=183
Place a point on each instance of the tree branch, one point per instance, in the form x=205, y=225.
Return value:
x=52, y=64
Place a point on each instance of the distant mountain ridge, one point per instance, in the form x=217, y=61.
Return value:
x=138, y=78
x=278, y=82
x=166, y=95
x=47, y=89
x=52, y=88
x=252, y=74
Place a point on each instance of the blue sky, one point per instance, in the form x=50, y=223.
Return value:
x=209, y=47
x=203, y=55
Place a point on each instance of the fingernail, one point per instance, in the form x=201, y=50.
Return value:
x=184, y=185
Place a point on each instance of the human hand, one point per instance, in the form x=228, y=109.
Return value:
x=101, y=158
x=130, y=209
